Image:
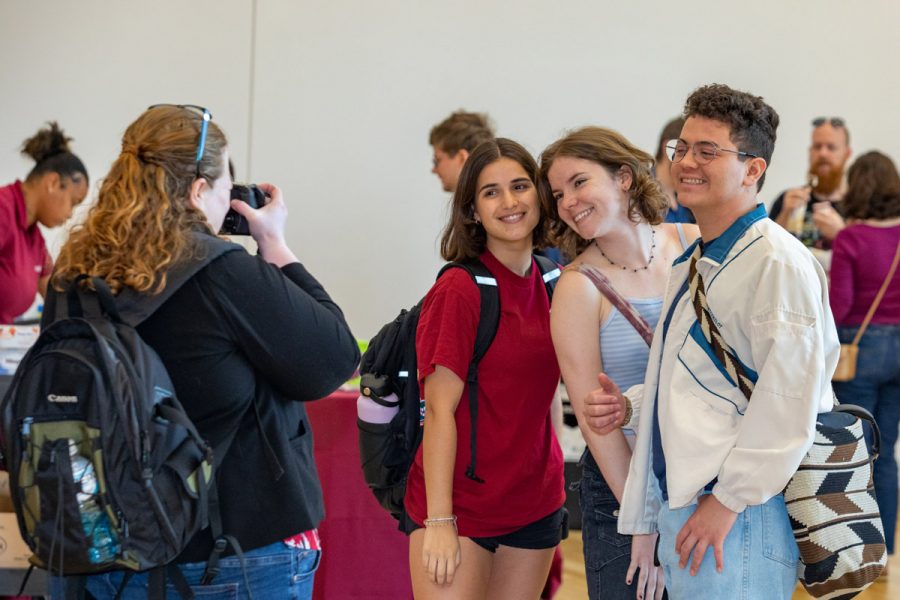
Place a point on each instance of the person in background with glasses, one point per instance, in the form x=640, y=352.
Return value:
x=863, y=254
x=813, y=212
x=54, y=187
x=709, y=465
x=452, y=140
x=661, y=170
x=264, y=337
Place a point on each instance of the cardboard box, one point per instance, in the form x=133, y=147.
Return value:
x=6, y=505
x=14, y=563
x=14, y=552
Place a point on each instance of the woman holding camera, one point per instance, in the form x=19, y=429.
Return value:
x=57, y=183
x=264, y=337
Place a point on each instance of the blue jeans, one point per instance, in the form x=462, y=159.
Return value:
x=276, y=571
x=607, y=553
x=876, y=388
x=760, y=556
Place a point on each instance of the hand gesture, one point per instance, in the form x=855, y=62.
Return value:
x=604, y=408
x=266, y=223
x=708, y=526
x=828, y=221
x=651, y=581
x=795, y=198
x=440, y=553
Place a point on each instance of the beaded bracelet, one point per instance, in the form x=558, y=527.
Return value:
x=441, y=520
x=629, y=411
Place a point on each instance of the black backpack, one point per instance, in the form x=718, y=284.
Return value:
x=388, y=366
x=91, y=392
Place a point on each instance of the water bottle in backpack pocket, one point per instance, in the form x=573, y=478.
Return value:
x=391, y=408
x=63, y=505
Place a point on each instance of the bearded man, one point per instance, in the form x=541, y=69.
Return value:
x=813, y=212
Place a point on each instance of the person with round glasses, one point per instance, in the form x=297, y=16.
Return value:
x=247, y=341
x=56, y=184
x=717, y=444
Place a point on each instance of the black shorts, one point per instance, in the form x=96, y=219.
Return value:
x=546, y=532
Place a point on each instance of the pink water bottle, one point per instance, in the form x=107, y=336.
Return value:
x=371, y=411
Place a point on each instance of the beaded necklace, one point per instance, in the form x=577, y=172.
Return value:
x=623, y=267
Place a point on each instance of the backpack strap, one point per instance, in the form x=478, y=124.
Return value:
x=488, y=323
x=550, y=272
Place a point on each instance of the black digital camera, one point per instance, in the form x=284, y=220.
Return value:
x=236, y=224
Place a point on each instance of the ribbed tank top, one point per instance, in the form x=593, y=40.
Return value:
x=623, y=352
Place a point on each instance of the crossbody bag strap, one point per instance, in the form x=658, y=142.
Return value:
x=711, y=333
x=625, y=307
x=877, y=300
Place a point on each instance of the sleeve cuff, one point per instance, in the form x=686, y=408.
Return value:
x=729, y=501
x=634, y=394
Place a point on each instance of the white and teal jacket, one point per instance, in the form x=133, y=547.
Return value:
x=769, y=298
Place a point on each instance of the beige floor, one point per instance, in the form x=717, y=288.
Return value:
x=574, y=587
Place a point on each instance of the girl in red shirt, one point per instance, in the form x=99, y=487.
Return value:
x=492, y=536
x=57, y=183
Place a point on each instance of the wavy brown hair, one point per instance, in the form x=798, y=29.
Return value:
x=464, y=238
x=141, y=223
x=873, y=188
x=612, y=151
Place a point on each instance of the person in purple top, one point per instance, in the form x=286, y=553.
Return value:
x=862, y=256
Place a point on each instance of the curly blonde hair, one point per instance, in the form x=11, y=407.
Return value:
x=141, y=223
x=611, y=150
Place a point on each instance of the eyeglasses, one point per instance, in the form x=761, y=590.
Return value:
x=205, y=118
x=833, y=121
x=704, y=152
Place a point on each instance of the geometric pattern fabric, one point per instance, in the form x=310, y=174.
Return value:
x=830, y=499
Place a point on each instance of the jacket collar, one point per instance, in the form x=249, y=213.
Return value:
x=719, y=248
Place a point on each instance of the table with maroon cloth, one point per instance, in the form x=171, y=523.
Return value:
x=364, y=555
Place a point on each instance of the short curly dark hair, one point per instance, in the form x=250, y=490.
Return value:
x=752, y=121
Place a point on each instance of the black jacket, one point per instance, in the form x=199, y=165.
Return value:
x=245, y=344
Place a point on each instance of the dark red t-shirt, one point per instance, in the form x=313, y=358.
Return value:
x=23, y=256
x=518, y=455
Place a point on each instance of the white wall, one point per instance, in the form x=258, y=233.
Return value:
x=334, y=100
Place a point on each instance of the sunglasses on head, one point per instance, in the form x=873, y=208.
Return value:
x=833, y=121
x=205, y=118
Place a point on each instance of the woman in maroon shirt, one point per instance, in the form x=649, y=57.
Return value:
x=57, y=183
x=861, y=260
x=492, y=536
